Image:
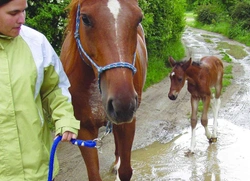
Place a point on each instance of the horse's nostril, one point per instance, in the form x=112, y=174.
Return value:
x=172, y=97
x=110, y=106
x=136, y=102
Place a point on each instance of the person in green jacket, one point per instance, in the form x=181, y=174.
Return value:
x=33, y=95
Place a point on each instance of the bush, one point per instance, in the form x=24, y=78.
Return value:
x=163, y=24
x=48, y=17
x=241, y=13
x=207, y=14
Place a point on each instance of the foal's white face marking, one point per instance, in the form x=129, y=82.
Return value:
x=172, y=74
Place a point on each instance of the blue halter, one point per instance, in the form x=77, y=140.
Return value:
x=99, y=69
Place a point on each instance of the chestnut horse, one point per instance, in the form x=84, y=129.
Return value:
x=105, y=57
x=201, y=77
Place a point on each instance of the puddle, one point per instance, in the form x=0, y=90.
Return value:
x=228, y=159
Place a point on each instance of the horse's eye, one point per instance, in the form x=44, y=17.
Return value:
x=179, y=79
x=140, y=20
x=86, y=20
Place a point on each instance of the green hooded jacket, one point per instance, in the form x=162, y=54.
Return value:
x=32, y=83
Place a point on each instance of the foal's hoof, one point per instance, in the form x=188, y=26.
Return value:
x=212, y=140
x=189, y=153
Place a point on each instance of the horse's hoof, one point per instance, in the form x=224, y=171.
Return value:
x=212, y=140
x=113, y=169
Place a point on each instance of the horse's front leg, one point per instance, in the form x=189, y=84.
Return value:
x=124, y=136
x=194, y=105
x=204, y=118
x=90, y=155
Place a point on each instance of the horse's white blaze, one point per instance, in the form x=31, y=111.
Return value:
x=114, y=7
x=172, y=74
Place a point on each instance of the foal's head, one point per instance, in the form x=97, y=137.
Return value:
x=177, y=77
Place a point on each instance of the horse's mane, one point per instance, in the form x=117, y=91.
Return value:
x=196, y=64
x=180, y=63
x=69, y=31
x=72, y=8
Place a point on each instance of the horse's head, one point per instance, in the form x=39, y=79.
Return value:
x=177, y=77
x=106, y=32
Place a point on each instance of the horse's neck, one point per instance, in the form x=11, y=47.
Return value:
x=193, y=74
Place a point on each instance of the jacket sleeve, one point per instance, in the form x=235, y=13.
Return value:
x=54, y=92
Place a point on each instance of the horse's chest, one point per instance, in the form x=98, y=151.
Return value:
x=95, y=103
x=197, y=90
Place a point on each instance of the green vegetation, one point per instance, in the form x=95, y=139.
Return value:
x=230, y=18
x=163, y=35
x=226, y=58
x=49, y=17
x=236, y=51
x=157, y=69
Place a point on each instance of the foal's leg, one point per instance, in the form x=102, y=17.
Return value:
x=194, y=105
x=124, y=136
x=215, y=107
x=204, y=119
x=215, y=104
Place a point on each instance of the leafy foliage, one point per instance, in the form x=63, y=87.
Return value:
x=207, y=14
x=48, y=17
x=163, y=23
x=241, y=13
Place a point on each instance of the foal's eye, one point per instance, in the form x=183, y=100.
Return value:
x=86, y=20
x=179, y=79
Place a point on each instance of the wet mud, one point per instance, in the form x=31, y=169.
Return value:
x=163, y=130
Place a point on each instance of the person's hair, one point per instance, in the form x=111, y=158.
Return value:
x=3, y=2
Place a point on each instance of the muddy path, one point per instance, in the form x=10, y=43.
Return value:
x=162, y=121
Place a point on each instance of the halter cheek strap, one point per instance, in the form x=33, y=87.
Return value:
x=99, y=68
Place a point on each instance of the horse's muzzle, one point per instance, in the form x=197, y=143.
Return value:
x=172, y=97
x=121, y=111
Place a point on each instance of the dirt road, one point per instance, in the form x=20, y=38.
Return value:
x=158, y=118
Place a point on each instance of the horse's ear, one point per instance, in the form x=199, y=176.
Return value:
x=171, y=61
x=187, y=64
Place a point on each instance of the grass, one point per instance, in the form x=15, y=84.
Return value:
x=157, y=70
x=236, y=51
x=224, y=28
x=208, y=40
x=226, y=57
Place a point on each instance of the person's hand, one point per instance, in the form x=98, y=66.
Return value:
x=67, y=136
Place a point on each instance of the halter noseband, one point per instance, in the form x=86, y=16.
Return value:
x=99, y=69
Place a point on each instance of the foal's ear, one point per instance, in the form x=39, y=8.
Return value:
x=187, y=64
x=171, y=61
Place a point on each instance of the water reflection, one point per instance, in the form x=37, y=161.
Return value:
x=228, y=159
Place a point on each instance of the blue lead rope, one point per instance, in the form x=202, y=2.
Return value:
x=89, y=143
